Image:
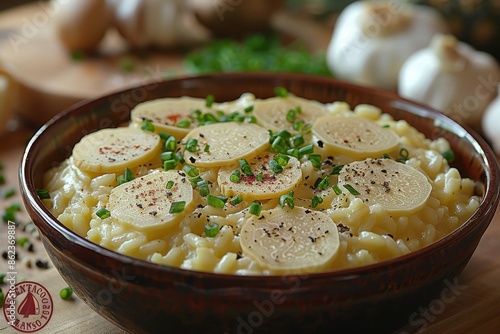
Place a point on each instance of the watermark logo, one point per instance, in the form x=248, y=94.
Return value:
x=28, y=307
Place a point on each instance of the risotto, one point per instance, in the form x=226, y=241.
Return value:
x=260, y=186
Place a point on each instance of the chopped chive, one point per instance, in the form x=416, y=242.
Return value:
x=66, y=293
x=281, y=159
x=22, y=241
x=203, y=188
x=184, y=124
x=179, y=157
x=43, y=194
x=298, y=140
x=284, y=134
x=386, y=156
x=9, y=193
x=248, y=109
x=170, y=144
x=192, y=145
x=386, y=126
x=191, y=171
x=298, y=125
x=164, y=156
x=250, y=119
x=208, y=118
x=206, y=149
x=103, y=213
x=324, y=183
x=281, y=92
x=196, y=114
x=336, y=169
x=315, y=160
x=169, y=164
x=275, y=166
x=306, y=128
x=127, y=176
x=209, y=101
x=9, y=213
x=147, y=125
x=163, y=135
x=211, y=229
x=351, y=189
x=291, y=115
x=216, y=201
x=235, y=176
x=236, y=199
x=294, y=152
x=195, y=180
x=287, y=200
x=260, y=177
x=255, y=208
x=308, y=149
x=279, y=145
x=449, y=155
x=245, y=167
x=404, y=155
x=336, y=189
x=316, y=200
x=170, y=184
x=177, y=207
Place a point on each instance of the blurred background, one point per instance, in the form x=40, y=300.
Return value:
x=42, y=49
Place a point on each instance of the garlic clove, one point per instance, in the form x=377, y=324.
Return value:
x=451, y=77
x=369, y=44
x=81, y=25
x=491, y=123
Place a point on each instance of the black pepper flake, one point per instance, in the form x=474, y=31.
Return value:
x=342, y=228
x=320, y=143
x=42, y=264
x=192, y=159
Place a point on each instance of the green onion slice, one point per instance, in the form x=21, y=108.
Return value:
x=216, y=201
x=147, y=125
x=336, y=189
x=103, y=213
x=351, y=189
x=255, y=208
x=245, y=167
x=211, y=229
x=43, y=194
x=192, y=145
x=177, y=207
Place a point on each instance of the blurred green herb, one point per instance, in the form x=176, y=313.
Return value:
x=255, y=53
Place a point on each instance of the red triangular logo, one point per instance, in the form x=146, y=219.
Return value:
x=29, y=306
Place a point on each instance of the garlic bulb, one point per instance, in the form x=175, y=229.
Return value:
x=158, y=23
x=80, y=25
x=453, y=78
x=491, y=123
x=372, y=39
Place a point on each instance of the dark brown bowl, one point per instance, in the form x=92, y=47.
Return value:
x=143, y=297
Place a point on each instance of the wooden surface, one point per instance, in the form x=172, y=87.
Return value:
x=52, y=81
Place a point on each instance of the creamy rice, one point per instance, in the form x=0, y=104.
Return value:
x=368, y=233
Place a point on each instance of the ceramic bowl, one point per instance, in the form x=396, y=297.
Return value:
x=143, y=297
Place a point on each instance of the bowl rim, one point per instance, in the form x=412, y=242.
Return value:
x=491, y=190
